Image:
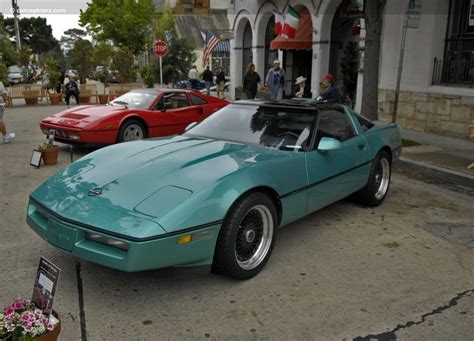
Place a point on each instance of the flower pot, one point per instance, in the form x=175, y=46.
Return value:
x=31, y=96
x=49, y=155
x=53, y=334
x=55, y=98
x=103, y=99
x=85, y=96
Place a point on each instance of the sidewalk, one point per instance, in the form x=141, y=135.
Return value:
x=440, y=157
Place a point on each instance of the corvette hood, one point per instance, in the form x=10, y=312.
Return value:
x=124, y=175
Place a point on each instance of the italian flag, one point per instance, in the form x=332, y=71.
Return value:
x=279, y=22
x=291, y=22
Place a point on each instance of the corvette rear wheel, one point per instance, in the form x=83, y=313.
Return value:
x=377, y=187
x=131, y=130
x=247, y=237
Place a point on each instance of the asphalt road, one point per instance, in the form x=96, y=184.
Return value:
x=345, y=272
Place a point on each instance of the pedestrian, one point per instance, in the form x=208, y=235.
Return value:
x=220, y=80
x=72, y=89
x=60, y=83
x=275, y=80
x=7, y=137
x=251, y=81
x=304, y=90
x=208, y=78
x=193, y=77
x=329, y=91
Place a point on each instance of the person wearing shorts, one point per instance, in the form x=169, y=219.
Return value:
x=7, y=137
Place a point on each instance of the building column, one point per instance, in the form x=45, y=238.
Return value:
x=235, y=64
x=258, y=52
x=321, y=53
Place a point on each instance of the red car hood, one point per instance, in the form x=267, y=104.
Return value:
x=82, y=115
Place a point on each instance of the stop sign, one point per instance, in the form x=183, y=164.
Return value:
x=160, y=49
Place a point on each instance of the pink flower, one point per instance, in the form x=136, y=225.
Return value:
x=50, y=326
x=9, y=311
x=28, y=327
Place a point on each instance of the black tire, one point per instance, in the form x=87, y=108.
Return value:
x=130, y=127
x=373, y=194
x=235, y=239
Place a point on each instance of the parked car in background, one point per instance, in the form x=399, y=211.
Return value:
x=114, y=77
x=15, y=74
x=136, y=115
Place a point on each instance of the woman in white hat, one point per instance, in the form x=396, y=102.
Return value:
x=304, y=91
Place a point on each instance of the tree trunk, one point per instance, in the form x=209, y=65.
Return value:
x=373, y=23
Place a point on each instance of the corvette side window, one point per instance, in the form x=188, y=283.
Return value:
x=334, y=123
x=175, y=101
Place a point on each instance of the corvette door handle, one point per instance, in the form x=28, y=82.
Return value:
x=361, y=146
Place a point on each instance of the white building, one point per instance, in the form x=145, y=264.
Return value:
x=438, y=70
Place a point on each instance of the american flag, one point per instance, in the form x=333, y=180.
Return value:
x=210, y=43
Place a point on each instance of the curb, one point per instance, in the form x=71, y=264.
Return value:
x=445, y=174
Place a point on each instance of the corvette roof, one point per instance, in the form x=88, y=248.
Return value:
x=290, y=103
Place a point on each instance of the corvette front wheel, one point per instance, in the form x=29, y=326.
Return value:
x=131, y=130
x=247, y=237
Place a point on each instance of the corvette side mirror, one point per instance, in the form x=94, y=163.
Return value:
x=328, y=143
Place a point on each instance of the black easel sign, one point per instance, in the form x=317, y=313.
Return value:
x=45, y=285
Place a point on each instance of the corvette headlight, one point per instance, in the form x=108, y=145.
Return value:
x=107, y=241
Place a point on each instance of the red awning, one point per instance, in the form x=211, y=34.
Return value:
x=303, y=39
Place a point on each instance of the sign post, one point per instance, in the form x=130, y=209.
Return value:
x=411, y=19
x=160, y=49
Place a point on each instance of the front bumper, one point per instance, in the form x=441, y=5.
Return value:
x=79, y=136
x=160, y=252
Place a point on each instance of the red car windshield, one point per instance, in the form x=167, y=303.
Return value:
x=135, y=100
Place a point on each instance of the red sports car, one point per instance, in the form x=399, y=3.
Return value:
x=135, y=115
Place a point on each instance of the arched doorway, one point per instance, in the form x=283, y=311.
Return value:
x=270, y=55
x=343, y=58
x=247, y=56
x=297, y=51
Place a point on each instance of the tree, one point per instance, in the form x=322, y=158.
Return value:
x=178, y=61
x=102, y=55
x=80, y=57
x=373, y=23
x=127, y=23
x=9, y=55
x=165, y=22
x=34, y=32
x=70, y=37
x=123, y=63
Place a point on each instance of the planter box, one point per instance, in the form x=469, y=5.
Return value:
x=55, y=98
x=31, y=96
x=49, y=155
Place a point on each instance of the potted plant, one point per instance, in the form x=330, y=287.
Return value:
x=31, y=96
x=52, y=70
x=49, y=153
x=102, y=76
x=85, y=96
x=22, y=321
x=148, y=76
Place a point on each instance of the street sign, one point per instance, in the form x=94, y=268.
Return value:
x=414, y=13
x=160, y=49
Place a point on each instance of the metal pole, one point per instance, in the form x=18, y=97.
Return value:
x=16, y=11
x=161, y=73
x=400, y=68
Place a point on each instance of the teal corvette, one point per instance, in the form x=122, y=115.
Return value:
x=216, y=194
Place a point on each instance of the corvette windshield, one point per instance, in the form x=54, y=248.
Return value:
x=271, y=127
x=135, y=100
